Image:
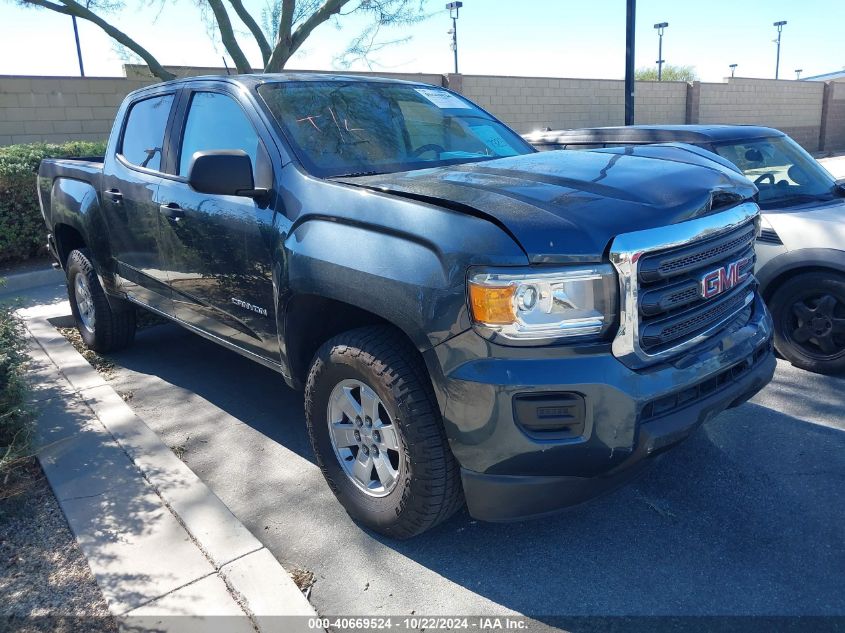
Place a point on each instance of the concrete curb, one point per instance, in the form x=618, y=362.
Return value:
x=31, y=279
x=171, y=546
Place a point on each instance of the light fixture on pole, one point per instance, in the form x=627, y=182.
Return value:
x=779, y=25
x=454, y=8
x=798, y=72
x=733, y=68
x=660, y=28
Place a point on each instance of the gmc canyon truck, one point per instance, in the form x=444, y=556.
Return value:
x=471, y=320
x=800, y=257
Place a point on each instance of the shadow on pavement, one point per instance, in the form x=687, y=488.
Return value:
x=745, y=518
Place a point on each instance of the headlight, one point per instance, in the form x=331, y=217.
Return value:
x=573, y=303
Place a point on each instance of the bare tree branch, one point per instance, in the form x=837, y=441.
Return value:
x=253, y=27
x=327, y=10
x=282, y=46
x=286, y=22
x=69, y=7
x=227, y=35
x=292, y=23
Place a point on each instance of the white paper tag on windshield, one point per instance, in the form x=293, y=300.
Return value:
x=442, y=99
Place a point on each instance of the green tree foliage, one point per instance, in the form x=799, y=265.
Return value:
x=15, y=418
x=22, y=230
x=670, y=73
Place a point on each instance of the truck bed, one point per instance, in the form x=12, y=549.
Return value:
x=62, y=177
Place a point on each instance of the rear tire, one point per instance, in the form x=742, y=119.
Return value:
x=103, y=327
x=809, y=315
x=417, y=485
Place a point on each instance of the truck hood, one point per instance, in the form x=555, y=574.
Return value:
x=566, y=206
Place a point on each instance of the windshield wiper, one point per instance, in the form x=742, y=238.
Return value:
x=355, y=174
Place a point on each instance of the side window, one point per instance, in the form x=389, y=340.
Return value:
x=216, y=121
x=143, y=136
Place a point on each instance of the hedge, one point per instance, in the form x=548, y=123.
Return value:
x=15, y=418
x=22, y=231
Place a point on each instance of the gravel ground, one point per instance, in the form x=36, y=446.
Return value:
x=45, y=582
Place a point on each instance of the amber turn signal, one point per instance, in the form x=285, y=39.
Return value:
x=492, y=304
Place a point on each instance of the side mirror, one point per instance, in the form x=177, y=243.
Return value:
x=839, y=187
x=224, y=173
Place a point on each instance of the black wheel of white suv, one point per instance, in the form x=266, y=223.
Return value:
x=377, y=434
x=103, y=328
x=809, y=315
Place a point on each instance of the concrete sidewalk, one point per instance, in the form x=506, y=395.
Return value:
x=165, y=550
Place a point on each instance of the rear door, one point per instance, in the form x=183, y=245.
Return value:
x=132, y=174
x=217, y=249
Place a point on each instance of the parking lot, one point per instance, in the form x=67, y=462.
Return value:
x=745, y=518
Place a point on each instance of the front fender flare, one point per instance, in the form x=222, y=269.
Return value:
x=402, y=279
x=793, y=261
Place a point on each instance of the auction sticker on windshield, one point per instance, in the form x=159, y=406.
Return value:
x=442, y=99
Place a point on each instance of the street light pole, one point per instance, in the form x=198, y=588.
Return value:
x=660, y=27
x=777, y=41
x=630, y=20
x=78, y=47
x=798, y=72
x=733, y=69
x=454, y=7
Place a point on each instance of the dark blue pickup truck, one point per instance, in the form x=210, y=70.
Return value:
x=470, y=319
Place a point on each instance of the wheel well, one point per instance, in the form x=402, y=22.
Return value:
x=67, y=239
x=786, y=275
x=311, y=320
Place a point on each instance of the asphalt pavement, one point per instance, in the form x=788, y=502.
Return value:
x=744, y=518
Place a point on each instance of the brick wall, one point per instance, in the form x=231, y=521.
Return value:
x=531, y=103
x=792, y=106
x=56, y=109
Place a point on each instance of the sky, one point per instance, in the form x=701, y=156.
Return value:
x=549, y=38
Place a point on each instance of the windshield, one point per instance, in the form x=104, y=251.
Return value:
x=784, y=173
x=342, y=128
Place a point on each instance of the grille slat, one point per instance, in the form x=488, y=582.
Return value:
x=768, y=236
x=671, y=305
x=655, y=267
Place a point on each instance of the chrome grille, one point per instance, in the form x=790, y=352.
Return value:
x=694, y=256
x=664, y=310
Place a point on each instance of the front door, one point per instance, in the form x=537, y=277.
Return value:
x=130, y=185
x=217, y=249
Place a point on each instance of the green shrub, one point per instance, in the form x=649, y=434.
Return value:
x=22, y=231
x=15, y=418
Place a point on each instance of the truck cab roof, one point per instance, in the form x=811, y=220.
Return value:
x=253, y=80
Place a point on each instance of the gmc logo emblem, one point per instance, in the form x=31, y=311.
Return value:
x=723, y=279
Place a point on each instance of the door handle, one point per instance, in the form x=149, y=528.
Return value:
x=115, y=195
x=172, y=211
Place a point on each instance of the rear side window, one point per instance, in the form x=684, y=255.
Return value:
x=216, y=121
x=143, y=136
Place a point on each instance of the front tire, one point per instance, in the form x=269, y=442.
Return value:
x=377, y=434
x=809, y=316
x=103, y=328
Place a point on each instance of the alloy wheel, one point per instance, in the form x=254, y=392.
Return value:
x=364, y=438
x=84, y=302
